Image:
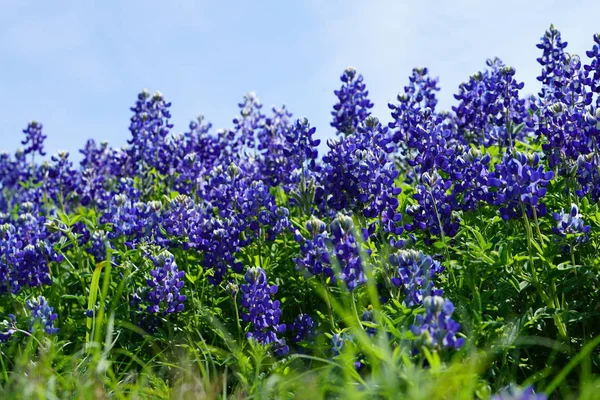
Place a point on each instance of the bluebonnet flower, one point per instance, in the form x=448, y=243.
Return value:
x=42, y=314
x=106, y=161
x=359, y=176
x=435, y=209
x=195, y=153
x=232, y=289
x=588, y=176
x=345, y=249
x=232, y=217
x=259, y=217
x=571, y=223
x=95, y=156
x=189, y=172
x=338, y=342
x=219, y=240
x=198, y=136
x=162, y=296
x=275, y=165
x=98, y=245
x=239, y=211
x=8, y=239
x=514, y=393
x=25, y=251
x=421, y=89
x=552, y=61
x=353, y=103
x=301, y=145
x=247, y=124
x=315, y=260
x=60, y=182
x=562, y=116
x=180, y=218
x=135, y=221
x=303, y=328
x=436, y=329
x=563, y=123
x=433, y=143
x=34, y=139
x=302, y=192
x=165, y=284
x=434, y=152
x=7, y=328
x=90, y=189
x=418, y=95
x=8, y=172
x=367, y=316
x=149, y=128
x=490, y=109
x=301, y=152
x=221, y=187
x=592, y=70
x=262, y=312
x=470, y=173
x=415, y=272
x=519, y=181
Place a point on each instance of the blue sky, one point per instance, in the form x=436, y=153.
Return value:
x=77, y=66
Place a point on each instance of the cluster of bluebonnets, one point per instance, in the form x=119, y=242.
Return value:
x=387, y=201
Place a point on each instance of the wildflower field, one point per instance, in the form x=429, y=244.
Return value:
x=445, y=255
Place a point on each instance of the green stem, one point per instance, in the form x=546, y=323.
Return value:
x=355, y=310
x=587, y=349
x=537, y=226
x=562, y=330
x=330, y=310
x=443, y=235
x=237, y=318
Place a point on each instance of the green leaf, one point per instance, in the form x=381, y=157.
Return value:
x=94, y=289
x=439, y=245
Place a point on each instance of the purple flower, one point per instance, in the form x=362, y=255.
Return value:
x=415, y=272
x=303, y=327
x=98, y=245
x=276, y=164
x=25, y=251
x=34, y=139
x=165, y=286
x=338, y=342
x=346, y=252
x=436, y=329
x=514, y=393
x=60, y=180
x=8, y=328
x=519, y=181
x=315, y=253
x=435, y=208
x=42, y=314
x=90, y=189
x=261, y=311
x=359, y=176
x=571, y=223
x=489, y=109
x=367, y=316
x=592, y=70
x=162, y=295
x=149, y=128
x=552, y=61
x=418, y=96
x=353, y=103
